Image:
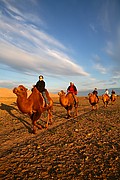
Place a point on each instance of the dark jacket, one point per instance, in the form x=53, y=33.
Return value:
x=95, y=92
x=40, y=85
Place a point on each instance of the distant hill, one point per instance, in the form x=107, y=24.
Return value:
x=5, y=92
x=100, y=91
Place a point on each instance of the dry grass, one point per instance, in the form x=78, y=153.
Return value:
x=86, y=147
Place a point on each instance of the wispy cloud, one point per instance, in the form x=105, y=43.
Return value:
x=109, y=48
x=98, y=64
x=92, y=26
x=25, y=47
x=100, y=68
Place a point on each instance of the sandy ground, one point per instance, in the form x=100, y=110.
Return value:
x=82, y=148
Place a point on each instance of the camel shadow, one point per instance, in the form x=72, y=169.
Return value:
x=9, y=109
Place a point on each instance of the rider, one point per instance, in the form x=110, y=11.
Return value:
x=96, y=93
x=40, y=85
x=72, y=88
x=107, y=92
x=113, y=92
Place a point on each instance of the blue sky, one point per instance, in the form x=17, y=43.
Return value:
x=64, y=40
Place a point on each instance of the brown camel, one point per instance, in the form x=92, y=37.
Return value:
x=33, y=105
x=68, y=101
x=105, y=99
x=93, y=99
x=113, y=98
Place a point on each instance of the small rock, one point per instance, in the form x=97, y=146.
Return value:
x=76, y=130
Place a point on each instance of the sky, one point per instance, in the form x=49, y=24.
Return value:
x=63, y=40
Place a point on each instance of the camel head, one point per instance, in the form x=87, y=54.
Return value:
x=90, y=94
x=20, y=90
x=61, y=93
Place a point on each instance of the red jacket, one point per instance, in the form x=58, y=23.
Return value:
x=72, y=89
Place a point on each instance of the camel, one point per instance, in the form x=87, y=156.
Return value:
x=113, y=98
x=93, y=99
x=33, y=105
x=105, y=99
x=68, y=102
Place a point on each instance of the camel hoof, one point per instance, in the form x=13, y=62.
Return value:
x=46, y=126
x=39, y=127
x=34, y=132
x=68, y=117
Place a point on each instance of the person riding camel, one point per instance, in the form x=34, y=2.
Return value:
x=40, y=85
x=107, y=92
x=96, y=93
x=113, y=92
x=72, y=88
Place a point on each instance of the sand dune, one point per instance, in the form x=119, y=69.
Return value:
x=5, y=92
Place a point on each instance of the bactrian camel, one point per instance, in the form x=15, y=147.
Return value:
x=68, y=101
x=93, y=99
x=105, y=99
x=33, y=105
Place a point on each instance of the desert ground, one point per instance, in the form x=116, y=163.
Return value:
x=83, y=148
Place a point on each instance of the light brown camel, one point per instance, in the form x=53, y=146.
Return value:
x=113, y=98
x=33, y=105
x=69, y=102
x=105, y=99
x=93, y=99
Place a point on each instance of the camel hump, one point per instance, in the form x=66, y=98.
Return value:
x=70, y=93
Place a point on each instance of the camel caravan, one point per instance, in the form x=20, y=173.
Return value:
x=107, y=98
x=35, y=104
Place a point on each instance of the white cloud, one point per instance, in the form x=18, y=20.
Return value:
x=26, y=48
x=51, y=63
x=98, y=64
x=100, y=68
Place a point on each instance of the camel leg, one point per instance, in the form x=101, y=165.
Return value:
x=105, y=104
x=34, y=118
x=34, y=128
x=35, y=125
x=96, y=106
x=68, y=114
x=76, y=112
x=49, y=118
